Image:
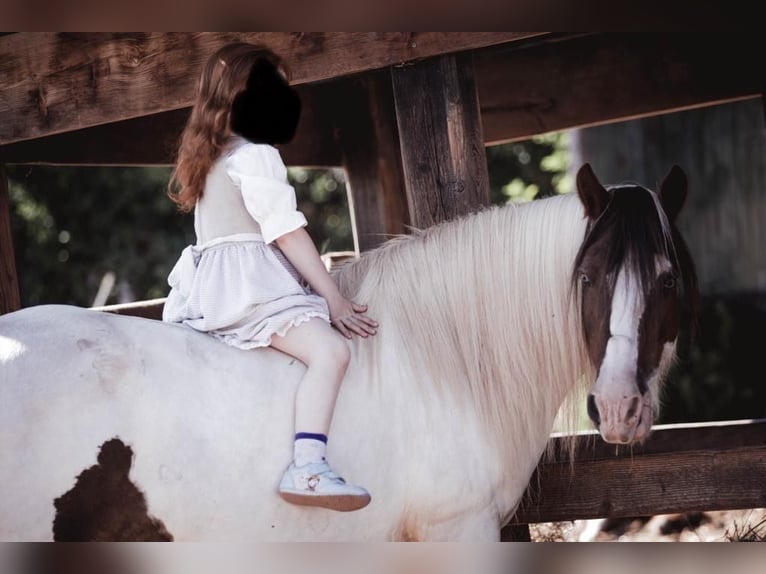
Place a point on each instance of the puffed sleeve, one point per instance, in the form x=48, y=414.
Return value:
x=260, y=173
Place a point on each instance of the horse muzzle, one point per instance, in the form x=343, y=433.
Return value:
x=622, y=419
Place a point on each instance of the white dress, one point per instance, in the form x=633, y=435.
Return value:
x=235, y=283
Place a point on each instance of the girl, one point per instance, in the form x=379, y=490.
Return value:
x=254, y=277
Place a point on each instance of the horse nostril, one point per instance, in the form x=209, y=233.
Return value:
x=634, y=405
x=593, y=410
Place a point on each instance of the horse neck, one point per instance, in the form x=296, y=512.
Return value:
x=481, y=309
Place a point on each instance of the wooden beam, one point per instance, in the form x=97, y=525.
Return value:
x=58, y=82
x=150, y=140
x=153, y=140
x=9, y=283
x=443, y=158
x=681, y=468
x=524, y=90
x=601, y=78
x=365, y=122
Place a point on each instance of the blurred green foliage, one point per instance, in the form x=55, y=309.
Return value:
x=527, y=170
x=322, y=197
x=73, y=225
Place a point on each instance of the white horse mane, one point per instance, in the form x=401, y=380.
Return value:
x=522, y=334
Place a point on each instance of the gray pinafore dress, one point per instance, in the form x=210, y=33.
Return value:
x=234, y=283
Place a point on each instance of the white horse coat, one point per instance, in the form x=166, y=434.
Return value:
x=443, y=415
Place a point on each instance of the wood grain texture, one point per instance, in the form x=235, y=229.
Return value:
x=57, y=82
x=362, y=111
x=524, y=90
x=607, y=77
x=694, y=467
x=443, y=157
x=153, y=140
x=9, y=284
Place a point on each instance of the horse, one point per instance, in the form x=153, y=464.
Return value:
x=125, y=428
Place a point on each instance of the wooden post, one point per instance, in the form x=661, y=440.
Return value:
x=9, y=285
x=367, y=136
x=443, y=157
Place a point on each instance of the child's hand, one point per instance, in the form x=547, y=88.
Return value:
x=349, y=317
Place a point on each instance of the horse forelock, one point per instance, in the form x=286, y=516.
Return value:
x=639, y=233
x=517, y=349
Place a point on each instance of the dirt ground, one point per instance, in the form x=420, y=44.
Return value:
x=719, y=526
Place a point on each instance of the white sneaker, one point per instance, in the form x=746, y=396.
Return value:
x=315, y=484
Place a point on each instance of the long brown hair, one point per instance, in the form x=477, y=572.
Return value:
x=208, y=128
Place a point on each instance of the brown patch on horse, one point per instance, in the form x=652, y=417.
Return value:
x=407, y=531
x=105, y=506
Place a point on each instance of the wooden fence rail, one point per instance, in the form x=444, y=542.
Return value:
x=680, y=468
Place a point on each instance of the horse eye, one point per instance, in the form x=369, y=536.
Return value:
x=669, y=282
x=584, y=279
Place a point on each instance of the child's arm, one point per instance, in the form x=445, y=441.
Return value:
x=345, y=315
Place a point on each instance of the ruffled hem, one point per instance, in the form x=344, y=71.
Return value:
x=241, y=292
x=259, y=343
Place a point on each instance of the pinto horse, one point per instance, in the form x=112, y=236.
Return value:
x=123, y=428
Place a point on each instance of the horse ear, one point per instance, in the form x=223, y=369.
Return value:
x=673, y=192
x=592, y=194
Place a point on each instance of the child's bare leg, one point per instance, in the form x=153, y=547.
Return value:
x=325, y=354
x=309, y=480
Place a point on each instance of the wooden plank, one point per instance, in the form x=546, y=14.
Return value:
x=601, y=78
x=365, y=123
x=57, y=82
x=153, y=140
x=10, y=299
x=693, y=467
x=443, y=158
x=149, y=309
x=568, y=83
x=645, y=486
x=150, y=140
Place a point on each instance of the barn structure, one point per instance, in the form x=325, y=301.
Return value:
x=408, y=116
